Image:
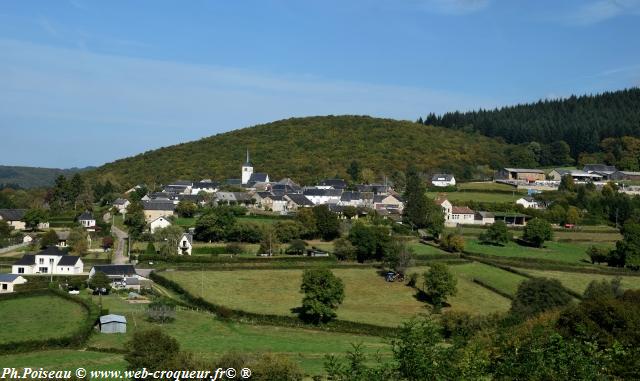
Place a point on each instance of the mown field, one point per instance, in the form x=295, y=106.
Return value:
x=479, y=196
x=587, y=234
x=572, y=252
x=578, y=282
x=368, y=297
x=207, y=337
x=502, y=280
x=38, y=317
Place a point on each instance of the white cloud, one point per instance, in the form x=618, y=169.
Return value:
x=594, y=12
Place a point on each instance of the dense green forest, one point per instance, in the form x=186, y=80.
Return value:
x=583, y=122
x=309, y=149
x=31, y=177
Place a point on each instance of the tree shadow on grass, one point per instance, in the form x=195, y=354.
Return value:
x=423, y=297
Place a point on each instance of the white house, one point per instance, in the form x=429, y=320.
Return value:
x=528, y=202
x=206, y=186
x=277, y=204
x=351, y=199
x=185, y=245
x=28, y=238
x=158, y=223
x=121, y=205
x=87, y=221
x=158, y=208
x=323, y=196
x=462, y=215
x=9, y=281
x=48, y=261
x=443, y=180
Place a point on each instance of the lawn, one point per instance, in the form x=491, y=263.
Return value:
x=478, y=196
x=578, y=282
x=38, y=317
x=502, y=280
x=201, y=333
x=572, y=252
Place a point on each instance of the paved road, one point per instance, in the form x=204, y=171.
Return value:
x=119, y=258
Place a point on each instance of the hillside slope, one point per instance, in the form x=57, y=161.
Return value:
x=308, y=149
x=580, y=121
x=32, y=177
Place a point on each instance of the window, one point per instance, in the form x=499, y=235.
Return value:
x=50, y=261
x=4, y=286
x=41, y=261
x=20, y=270
x=43, y=270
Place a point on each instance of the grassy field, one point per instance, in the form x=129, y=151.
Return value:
x=38, y=317
x=578, y=282
x=368, y=298
x=202, y=334
x=478, y=196
x=502, y=280
x=605, y=235
x=572, y=252
x=65, y=359
x=485, y=186
x=425, y=251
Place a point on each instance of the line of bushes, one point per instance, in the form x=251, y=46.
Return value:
x=236, y=259
x=491, y=288
x=75, y=339
x=226, y=313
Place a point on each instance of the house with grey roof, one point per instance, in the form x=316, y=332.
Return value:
x=87, y=221
x=158, y=208
x=185, y=245
x=9, y=281
x=321, y=196
x=121, y=205
x=116, y=273
x=296, y=201
x=51, y=260
x=13, y=217
x=349, y=198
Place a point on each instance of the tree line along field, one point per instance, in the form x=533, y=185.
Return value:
x=38, y=317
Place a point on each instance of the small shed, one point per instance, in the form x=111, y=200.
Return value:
x=113, y=324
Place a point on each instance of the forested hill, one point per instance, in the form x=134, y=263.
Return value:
x=583, y=122
x=308, y=149
x=31, y=177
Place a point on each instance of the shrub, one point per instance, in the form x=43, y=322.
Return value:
x=598, y=254
x=439, y=283
x=234, y=248
x=538, y=295
x=162, y=311
x=496, y=234
x=296, y=247
x=452, y=242
x=323, y=293
x=343, y=249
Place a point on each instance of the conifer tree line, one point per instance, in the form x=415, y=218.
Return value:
x=582, y=122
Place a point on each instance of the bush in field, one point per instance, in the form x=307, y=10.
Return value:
x=323, y=293
x=537, y=232
x=162, y=311
x=452, y=242
x=234, y=248
x=496, y=234
x=343, y=249
x=296, y=247
x=537, y=295
x=598, y=254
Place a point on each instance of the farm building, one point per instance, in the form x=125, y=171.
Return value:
x=523, y=174
x=113, y=324
x=625, y=175
x=8, y=281
x=558, y=174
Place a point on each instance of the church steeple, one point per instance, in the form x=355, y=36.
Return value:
x=247, y=170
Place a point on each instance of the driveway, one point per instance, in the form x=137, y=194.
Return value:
x=119, y=258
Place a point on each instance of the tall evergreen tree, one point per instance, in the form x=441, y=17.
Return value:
x=415, y=208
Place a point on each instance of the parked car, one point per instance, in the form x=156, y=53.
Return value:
x=74, y=292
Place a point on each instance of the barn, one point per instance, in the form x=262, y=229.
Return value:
x=113, y=324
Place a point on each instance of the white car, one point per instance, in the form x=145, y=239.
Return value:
x=74, y=292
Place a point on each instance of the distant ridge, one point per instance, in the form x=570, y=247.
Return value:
x=33, y=177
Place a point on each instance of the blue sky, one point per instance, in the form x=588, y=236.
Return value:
x=86, y=82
